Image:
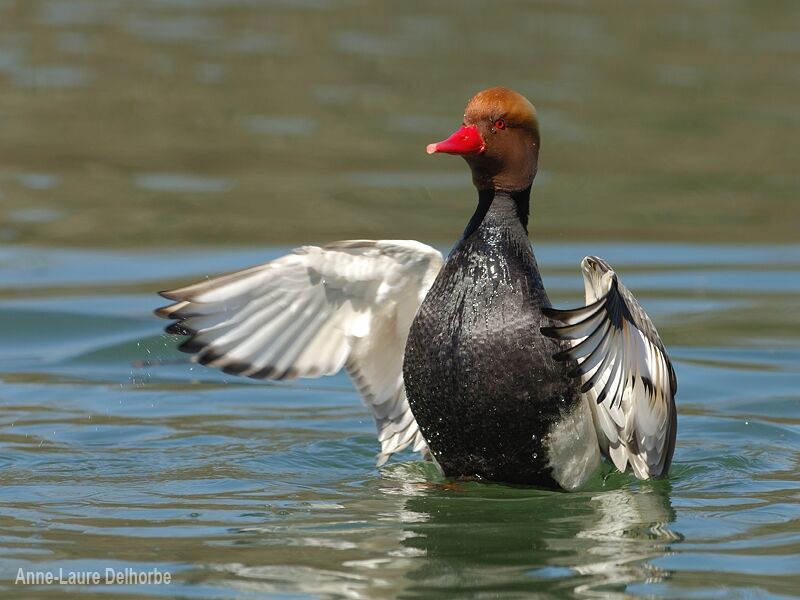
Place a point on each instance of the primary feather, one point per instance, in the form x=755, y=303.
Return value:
x=313, y=312
x=625, y=372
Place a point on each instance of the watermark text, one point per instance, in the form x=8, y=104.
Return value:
x=108, y=576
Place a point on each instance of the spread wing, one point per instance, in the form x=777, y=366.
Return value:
x=624, y=371
x=312, y=312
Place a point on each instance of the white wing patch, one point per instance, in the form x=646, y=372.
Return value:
x=624, y=371
x=311, y=313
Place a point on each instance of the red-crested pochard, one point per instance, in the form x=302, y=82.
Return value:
x=461, y=359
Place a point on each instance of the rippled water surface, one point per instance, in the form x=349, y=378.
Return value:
x=148, y=143
x=117, y=452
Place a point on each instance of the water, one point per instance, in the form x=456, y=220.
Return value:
x=119, y=453
x=148, y=143
x=149, y=122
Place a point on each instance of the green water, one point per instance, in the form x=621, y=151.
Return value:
x=146, y=122
x=148, y=143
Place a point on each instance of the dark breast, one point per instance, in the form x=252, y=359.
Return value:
x=479, y=375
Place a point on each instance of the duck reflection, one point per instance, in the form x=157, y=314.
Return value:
x=482, y=537
x=411, y=534
x=631, y=531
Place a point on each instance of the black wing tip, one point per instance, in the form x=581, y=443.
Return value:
x=240, y=368
x=273, y=373
x=551, y=332
x=583, y=313
x=602, y=395
x=236, y=368
x=576, y=372
x=192, y=346
x=563, y=355
x=179, y=328
x=209, y=355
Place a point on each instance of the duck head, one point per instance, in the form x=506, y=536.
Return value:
x=499, y=139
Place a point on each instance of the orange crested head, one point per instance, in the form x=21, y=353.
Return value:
x=499, y=139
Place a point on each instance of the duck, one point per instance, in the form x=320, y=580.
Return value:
x=462, y=359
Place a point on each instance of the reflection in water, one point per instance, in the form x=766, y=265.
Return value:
x=469, y=538
x=464, y=539
x=484, y=536
x=631, y=531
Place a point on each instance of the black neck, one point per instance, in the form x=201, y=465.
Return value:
x=507, y=206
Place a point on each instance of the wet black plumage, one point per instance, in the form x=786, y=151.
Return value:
x=480, y=377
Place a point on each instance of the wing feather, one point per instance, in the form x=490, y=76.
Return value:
x=313, y=312
x=624, y=370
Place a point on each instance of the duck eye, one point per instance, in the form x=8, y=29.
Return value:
x=500, y=124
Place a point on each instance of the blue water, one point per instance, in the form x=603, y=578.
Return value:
x=117, y=452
